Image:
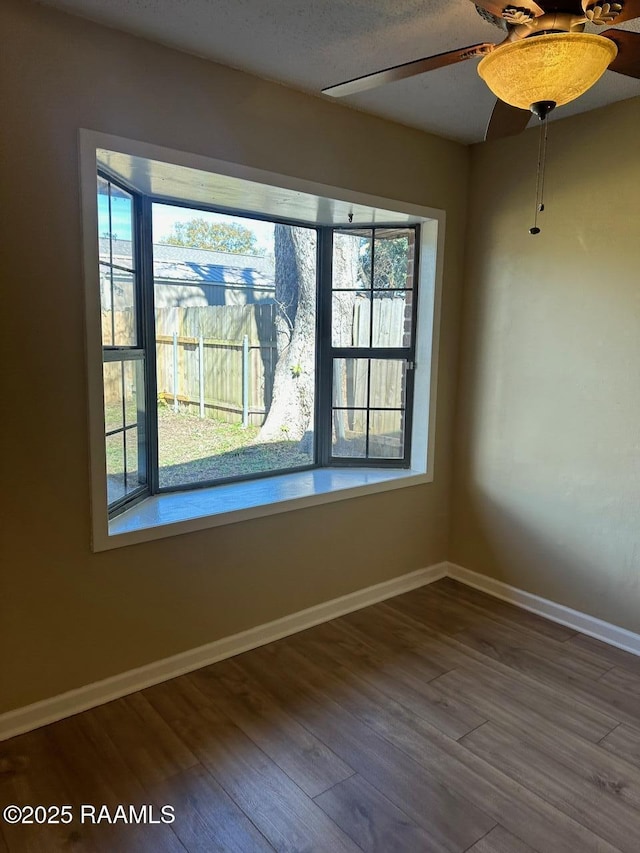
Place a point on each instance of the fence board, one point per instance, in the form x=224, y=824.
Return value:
x=223, y=328
x=388, y=330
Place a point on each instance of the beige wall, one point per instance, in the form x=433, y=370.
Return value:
x=69, y=617
x=547, y=459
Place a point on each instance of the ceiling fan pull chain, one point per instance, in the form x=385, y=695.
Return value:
x=542, y=156
x=544, y=163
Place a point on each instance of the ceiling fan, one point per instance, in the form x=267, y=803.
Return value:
x=545, y=60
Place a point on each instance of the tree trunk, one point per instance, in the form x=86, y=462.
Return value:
x=346, y=262
x=292, y=408
x=290, y=416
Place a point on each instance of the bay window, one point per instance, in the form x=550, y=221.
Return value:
x=250, y=335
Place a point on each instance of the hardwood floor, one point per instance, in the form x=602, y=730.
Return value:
x=440, y=720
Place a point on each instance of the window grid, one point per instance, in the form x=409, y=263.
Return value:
x=405, y=353
x=129, y=485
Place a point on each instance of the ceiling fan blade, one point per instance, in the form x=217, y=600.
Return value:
x=630, y=10
x=506, y=121
x=408, y=69
x=497, y=7
x=628, y=59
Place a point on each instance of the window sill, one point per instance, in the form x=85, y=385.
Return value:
x=183, y=512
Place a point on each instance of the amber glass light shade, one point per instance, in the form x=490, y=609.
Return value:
x=558, y=67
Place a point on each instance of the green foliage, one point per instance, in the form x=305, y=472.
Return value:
x=219, y=236
x=390, y=264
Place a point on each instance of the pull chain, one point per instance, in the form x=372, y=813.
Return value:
x=542, y=156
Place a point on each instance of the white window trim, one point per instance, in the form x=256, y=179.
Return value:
x=174, y=513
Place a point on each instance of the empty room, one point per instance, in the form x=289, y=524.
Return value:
x=321, y=426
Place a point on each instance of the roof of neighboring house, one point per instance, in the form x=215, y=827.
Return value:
x=200, y=266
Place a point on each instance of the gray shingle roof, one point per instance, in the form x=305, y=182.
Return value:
x=200, y=266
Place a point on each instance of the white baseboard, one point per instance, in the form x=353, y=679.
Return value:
x=74, y=701
x=582, y=622
x=49, y=710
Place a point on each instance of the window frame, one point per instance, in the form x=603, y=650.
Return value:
x=211, y=509
x=136, y=353
x=212, y=208
x=326, y=352
x=331, y=352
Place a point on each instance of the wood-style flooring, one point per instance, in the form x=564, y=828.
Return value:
x=440, y=720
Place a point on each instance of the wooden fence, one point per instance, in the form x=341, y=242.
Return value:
x=219, y=361
x=216, y=361
x=377, y=384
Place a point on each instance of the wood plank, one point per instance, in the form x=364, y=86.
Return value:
x=314, y=690
x=302, y=756
x=421, y=741
x=495, y=637
x=592, y=723
x=375, y=653
x=30, y=775
x=452, y=822
x=403, y=631
x=511, y=702
x=588, y=691
x=97, y=773
x=625, y=742
x=605, y=803
x=502, y=610
x=398, y=674
x=207, y=819
x=440, y=615
x=601, y=697
x=505, y=644
x=526, y=814
x=500, y=841
x=178, y=699
x=606, y=653
x=83, y=745
x=605, y=771
x=371, y=820
x=622, y=680
x=278, y=808
x=63, y=767
x=515, y=649
x=147, y=743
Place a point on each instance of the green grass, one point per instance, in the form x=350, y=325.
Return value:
x=193, y=450
x=196, y=450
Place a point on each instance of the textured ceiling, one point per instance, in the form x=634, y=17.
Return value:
x=311, y=44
